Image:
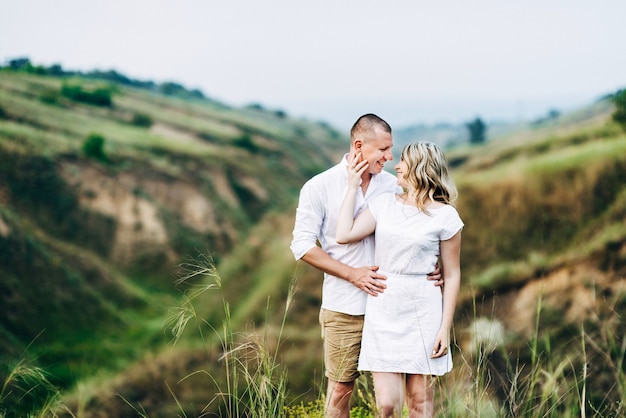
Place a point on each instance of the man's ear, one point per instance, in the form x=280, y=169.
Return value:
x=358, y=143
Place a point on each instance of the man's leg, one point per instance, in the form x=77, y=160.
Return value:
x=338, y=399
x=342, y=345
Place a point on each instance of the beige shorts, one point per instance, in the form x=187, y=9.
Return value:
x=342, y=344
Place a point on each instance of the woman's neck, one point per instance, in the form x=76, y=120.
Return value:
x=410, y=198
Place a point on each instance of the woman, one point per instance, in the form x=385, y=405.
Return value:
x=406, y=334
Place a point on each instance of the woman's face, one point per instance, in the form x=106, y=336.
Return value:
x=377, y=151
x=401, y=170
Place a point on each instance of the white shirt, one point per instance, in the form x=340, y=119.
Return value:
x=316, y=220
x=416, y=253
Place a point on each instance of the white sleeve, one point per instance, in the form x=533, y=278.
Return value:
x=309, y=220
x=451, y=224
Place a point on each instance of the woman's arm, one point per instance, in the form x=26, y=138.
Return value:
x=450, y=260
x=348, y=228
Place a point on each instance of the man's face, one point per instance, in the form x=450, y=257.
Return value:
x=377, y=150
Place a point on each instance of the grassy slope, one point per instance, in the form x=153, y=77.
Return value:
x=544, y=249
x=544, y=213
x=58, y=275
x=543, y=206
x=543, y=202
x=536, y=193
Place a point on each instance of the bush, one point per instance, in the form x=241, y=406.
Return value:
x=141, y=120
x=170, y=88
x=246, y=142
x=93, y=147
x=619, y=115
x=49, y=96
x=100, y=96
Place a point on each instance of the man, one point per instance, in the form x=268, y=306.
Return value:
x=349, y=273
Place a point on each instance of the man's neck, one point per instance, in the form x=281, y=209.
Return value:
x=366, y=179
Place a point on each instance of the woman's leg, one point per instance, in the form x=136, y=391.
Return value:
x=420, y=393
x=389, y=391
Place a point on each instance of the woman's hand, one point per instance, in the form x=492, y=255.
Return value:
x=356, y=168
x=350, y=229
x=442, y=341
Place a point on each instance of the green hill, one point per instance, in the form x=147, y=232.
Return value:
x=90, y=241
x=94, y=232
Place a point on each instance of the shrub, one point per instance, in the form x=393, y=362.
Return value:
x=619, y=115
x=100, y=96
x=93, y=147
x=49, y=96
x=246, y=142
x=170, y=88
x=255, y=106
x=142, y=120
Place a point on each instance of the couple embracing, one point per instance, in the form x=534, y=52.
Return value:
x=384, y=307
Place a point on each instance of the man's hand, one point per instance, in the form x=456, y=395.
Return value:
x=436, y=276
x=368, y=280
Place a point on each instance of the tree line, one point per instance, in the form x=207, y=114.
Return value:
x=169, y=88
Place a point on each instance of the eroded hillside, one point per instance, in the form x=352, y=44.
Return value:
x=90, y=237
x=90, y=247
x=544, y=269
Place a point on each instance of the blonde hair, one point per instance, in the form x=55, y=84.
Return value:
x=428, y=174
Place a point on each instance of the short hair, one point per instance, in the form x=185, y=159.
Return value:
x=428, y=173
x=366, y=125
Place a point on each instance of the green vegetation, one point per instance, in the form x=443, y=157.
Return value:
x=263, y=391
x=93, y=147
x=88, y=254
x=246, y=142
x=87, y=249
x=27, y=391
x=98, y=96
x=142, y=120
x=477, y=131
x=24, y=65
x=619, y=116
x=550, y=195
x=545, y=376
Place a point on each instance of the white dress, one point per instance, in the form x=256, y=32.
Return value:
x=401, y=323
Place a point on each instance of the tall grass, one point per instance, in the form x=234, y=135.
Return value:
x=255, y=382
x=547, y=378
x=27, y=391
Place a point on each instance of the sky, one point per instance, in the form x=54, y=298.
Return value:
x=409, y=61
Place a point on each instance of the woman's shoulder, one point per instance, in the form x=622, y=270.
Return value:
x=437, y=205
x=443, y=210
x=446, y=207
x=449, y=214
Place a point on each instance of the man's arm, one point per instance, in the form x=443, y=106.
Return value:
x=365, y=278
x=436, y=276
